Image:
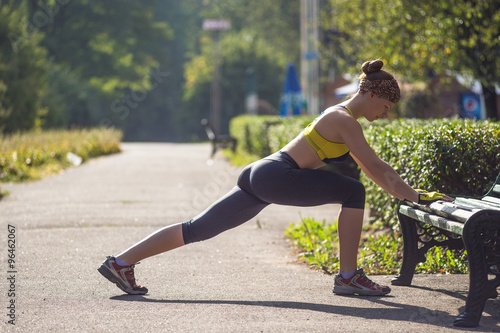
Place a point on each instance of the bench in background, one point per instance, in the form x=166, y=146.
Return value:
x=218, y=141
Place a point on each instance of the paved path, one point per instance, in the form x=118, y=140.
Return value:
x=245, y=280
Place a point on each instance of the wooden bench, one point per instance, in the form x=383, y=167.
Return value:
x=218, y=141
x=470, y=223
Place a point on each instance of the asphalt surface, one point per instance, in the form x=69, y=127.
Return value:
x=245, y=280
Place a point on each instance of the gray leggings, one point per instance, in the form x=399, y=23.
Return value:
x=275, y=179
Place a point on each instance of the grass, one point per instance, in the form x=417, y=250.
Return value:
x=35, y=155
x=378, y=253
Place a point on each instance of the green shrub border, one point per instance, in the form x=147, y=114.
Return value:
x=33, y=155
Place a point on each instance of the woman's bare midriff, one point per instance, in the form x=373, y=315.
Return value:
x=302, y=153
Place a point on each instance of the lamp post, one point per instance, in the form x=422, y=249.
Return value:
x=215, y=95
x=309, y=67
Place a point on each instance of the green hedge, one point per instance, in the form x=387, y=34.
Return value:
x=454, y=156
x=263, y=135
x=33, y=155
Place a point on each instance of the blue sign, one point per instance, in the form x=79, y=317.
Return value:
x=470, y=106
x=311, y=55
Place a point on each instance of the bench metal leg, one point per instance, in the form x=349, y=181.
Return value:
x=410, y=251
x=417, y=240
x=480, y=236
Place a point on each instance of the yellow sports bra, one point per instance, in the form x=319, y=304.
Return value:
x=328, y=151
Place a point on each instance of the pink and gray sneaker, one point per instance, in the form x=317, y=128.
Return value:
x=122, y=276
x=358, y=284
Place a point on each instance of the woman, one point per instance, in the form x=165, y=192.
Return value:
x=290, y=177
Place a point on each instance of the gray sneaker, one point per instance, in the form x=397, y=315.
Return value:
x=122, y=276
x=358, y=284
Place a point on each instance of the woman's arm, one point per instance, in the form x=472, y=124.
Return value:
x=378, y=170
x=389, y=180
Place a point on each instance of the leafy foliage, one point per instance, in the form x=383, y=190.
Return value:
x=277, y=22
x=418, y=39
x=67, y=99
x=120, y=40
x=23, y=66
x=121, y=63
x=81, y=63
x=239, y=51
x=319, y=241
x=252, y=133
x=459, y=157
x=264, y=36
x=442, y=260
x=262, y=135
x=378, y=254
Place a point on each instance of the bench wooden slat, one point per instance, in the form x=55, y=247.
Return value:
x=461, y=206
x=494, y=200
x=496, y=189
x=476, y=202
x=437, y=221
x=453, y=211
x=449, y=210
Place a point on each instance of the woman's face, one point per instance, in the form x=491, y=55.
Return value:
x=378, y=108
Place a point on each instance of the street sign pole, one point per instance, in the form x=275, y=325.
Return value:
x=215, y=95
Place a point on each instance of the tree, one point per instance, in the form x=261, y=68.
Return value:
x=121, y=63
x=240, y=51
x=276, y=21
x=110, y=49
x=476, y=24
x=420, y=39
x=263, y=35
x=23, y=68
x=112, y=44
x=69, y=101
x=155, y=118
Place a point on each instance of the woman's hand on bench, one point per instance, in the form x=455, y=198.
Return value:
x=426, y=198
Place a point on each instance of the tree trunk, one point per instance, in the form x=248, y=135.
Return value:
x=490, y=101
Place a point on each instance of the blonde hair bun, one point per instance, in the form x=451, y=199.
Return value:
x=372, y=66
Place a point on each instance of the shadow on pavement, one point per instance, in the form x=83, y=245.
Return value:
x=392, y=311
